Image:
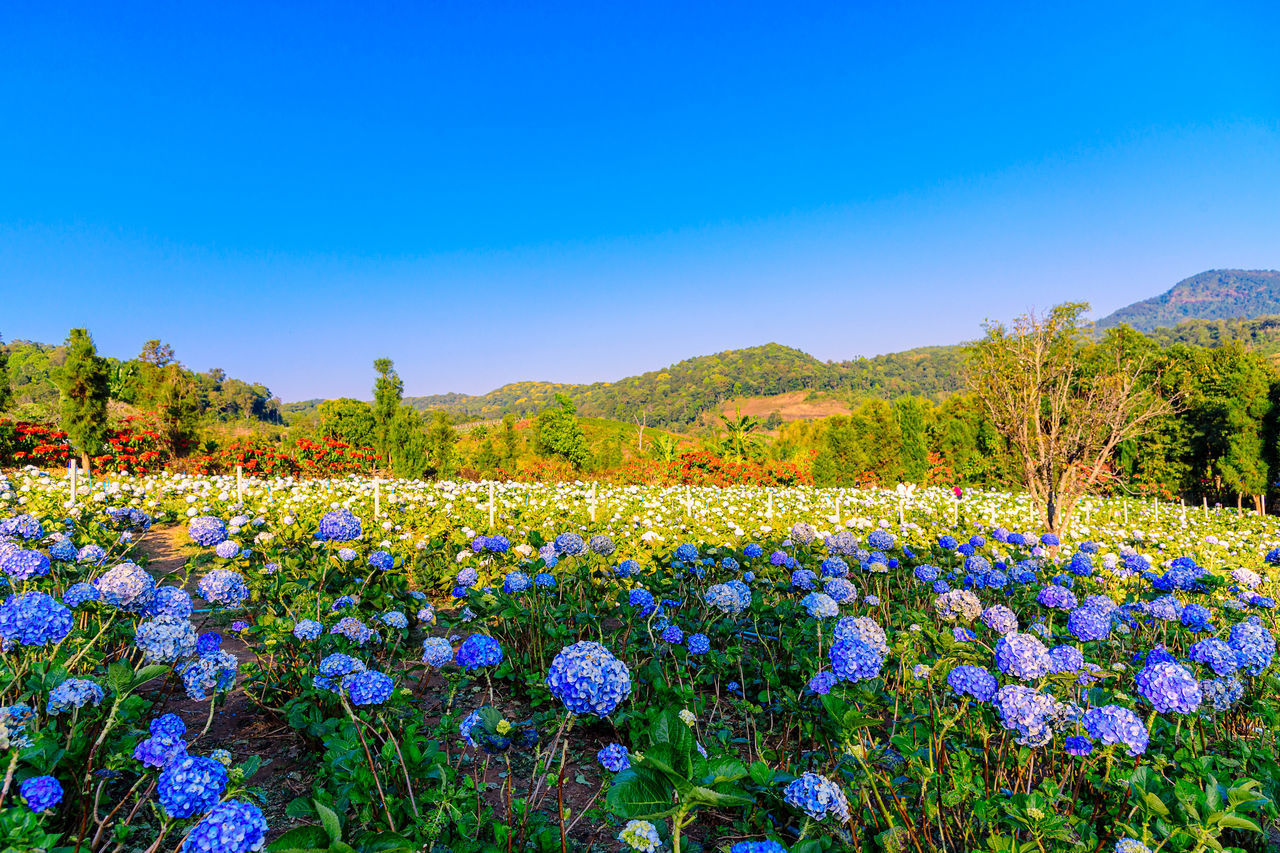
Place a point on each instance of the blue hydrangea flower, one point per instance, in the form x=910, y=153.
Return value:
x=338, y=525
x=823, y=682
x=91, y=554
x=308, y=629
x=1088, y=624
x=588, y=679
x=354, y=630
x=1056, y=597
x=211, y=674
x=1215, y=654
x=516, y=582
x=925, y=574
x=626, y=568
x=23, y=565
x=570, y=545
x=369, y=687
x=34, y=619
x=160, y=750
x=640, y=835
x=866, y=629
x=839, y=589
x=1077, y=745
x=41, y=793
x=820, y=605
x=168, y=724
x=436, y=651
x=615, y=758
x=699, y=644
x=225, y=587
x=752, y=551
x=757, y=847
x=818, y=797
x=231, y=827
x=880, y=540
x=191, y=786
x=1000, y=619
x=1065, y=659
x=1115, y=724
x=498, y=544
x=967, y=680
x=1026, y=711
x=127, y=586
x=1023, y=656
x=479, y=650
x=382, y=561
x=672, y=634
x=79, y=593
x=166, y=640
x=333, y=668
x=1253, y=644
x=170, y=601
x=74, y=693
x=206, y=530
x=852, y=659
x=227, y=549
x=802, y=579
x=395, y=619
x=1169, y=687
x=1221, y=693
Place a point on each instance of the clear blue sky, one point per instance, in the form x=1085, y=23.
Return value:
x=489, y=193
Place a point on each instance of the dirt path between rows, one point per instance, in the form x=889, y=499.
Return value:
x=239, y=726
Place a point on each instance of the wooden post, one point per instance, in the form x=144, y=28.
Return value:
x=1183, y=504
x=239, y=484
x=491, y=507
x=74, y=482
x=1263, y=498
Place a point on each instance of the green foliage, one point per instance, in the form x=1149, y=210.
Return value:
x=558, y=434
x=349, y=420
x=388, y=389
x=82, y=381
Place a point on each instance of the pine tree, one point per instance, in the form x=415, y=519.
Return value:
x=4, y=377
x=510, y=442
x=388, y=390
x=557, y=433
x=83, y=384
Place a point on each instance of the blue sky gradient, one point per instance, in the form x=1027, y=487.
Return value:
x=495, y=192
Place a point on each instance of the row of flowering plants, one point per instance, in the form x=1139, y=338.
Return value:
x=502, y=666
x=131, y=447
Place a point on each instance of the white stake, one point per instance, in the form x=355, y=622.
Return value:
x=377, y=497
x=1205, y=499
x=593, y=503
x=769, y=511
x=491, y=505
x=239, y=484
x=73, y=482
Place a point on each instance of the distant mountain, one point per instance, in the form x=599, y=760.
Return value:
x=1212, y=295
x=678, y=395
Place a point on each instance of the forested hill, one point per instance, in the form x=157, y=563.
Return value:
x=679, y=394
x=1212, y=295
x=34, y=395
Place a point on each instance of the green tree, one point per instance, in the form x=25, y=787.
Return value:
x=910, y=415
x=83, y=386
x=5, y=392
x=1063, y=403
x=510, y=442
x=348, y=420
x=388, y=391
x=177, y=410
x=487, y=459
x=739, y=442
x=408, y=435
x=557, y=433
x=441, y=438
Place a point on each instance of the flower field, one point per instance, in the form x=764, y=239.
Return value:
x=580, y=666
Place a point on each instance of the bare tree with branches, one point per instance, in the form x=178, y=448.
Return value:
x=1063, y=402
